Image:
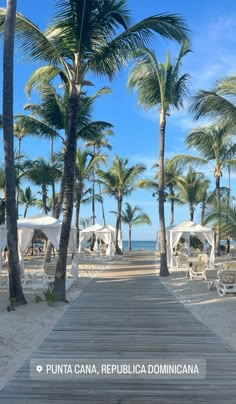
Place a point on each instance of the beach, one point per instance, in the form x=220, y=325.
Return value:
x=216, y=312
x=24, y=329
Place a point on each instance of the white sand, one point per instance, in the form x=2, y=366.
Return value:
x=23, y=330
x=217, y=313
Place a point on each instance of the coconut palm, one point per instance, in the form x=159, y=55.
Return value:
x=49, y=120
x=118, y=182
x=160, y=84
x=85, y=36
x=227, y=219
x=214, y=144
x=191, y=189
x=218, y=103
x=171, y=173
x=133, y=216
x=84, y=168
x=15, y=288
x=27, y=198
x=42, y=174
x=97, y=143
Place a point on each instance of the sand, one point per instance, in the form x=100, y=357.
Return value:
x=24, y=329
x=217, y=313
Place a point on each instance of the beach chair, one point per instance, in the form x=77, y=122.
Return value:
x=226, y=283
x=232, y=252
x=198, y=271
x=182, y=260
x=203, y=258
x=227, y=266
x=47, y=275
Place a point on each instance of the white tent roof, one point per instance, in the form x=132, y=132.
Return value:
x=189, y=226
x=38, y=221
x=92, y=229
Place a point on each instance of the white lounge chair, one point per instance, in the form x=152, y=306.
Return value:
x=182, y=260
x=198, y=271
x=203, y=258
x=226, y=283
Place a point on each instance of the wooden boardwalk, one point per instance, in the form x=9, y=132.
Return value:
x=126, y=313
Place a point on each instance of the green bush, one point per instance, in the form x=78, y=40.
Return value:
x=50, y=295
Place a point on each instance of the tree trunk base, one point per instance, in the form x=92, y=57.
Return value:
x=118, y=251
x=163, y=267
x=20, y=300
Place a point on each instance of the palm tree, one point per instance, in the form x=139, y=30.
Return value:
x=98, y=142
x=214, y=143
x=42, y=173
x=218, y=103
x=171, y=174
x=191, y=189
x=86, y=36
x=84, y=168
x=227, y=219
x=133, y=216
x=160, y=84
x=15, y=288
x=120, y=181
x=27, y=199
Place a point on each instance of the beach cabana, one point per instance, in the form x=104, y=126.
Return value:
x=50, y=226
x=104, y=234
x=185, y=229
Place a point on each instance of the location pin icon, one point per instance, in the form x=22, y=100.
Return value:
x=39, y=368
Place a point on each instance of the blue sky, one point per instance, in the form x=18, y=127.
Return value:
x=213, y=42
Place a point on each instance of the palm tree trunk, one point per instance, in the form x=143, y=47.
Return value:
x=18, y=179
x=77, y=213
x=203, y=213
x=191, y=209
x=172, y=208
x=118, y=223
x=15, y=288
x=129, y=241
x=59, y=204
x=218, y=215
x=69, y=175
x=25, y=212
x=44, y=197
x=161, y=208
x=102, y=205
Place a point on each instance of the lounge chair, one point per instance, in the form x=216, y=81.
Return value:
x=233, y=252
x=182, y=260
x=198, y=271
x=47, y=275
x=227, y=266
x=203, y=258
x=226, y=283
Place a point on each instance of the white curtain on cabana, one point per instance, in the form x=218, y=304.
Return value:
x=184, y=230
x=24, y=239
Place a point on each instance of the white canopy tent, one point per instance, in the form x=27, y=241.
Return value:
x=184, y=230
x=50, y=226
x=105, y=234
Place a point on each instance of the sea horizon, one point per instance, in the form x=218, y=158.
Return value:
x=140, y=245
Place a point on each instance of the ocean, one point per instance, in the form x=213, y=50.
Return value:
x=140, y=245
